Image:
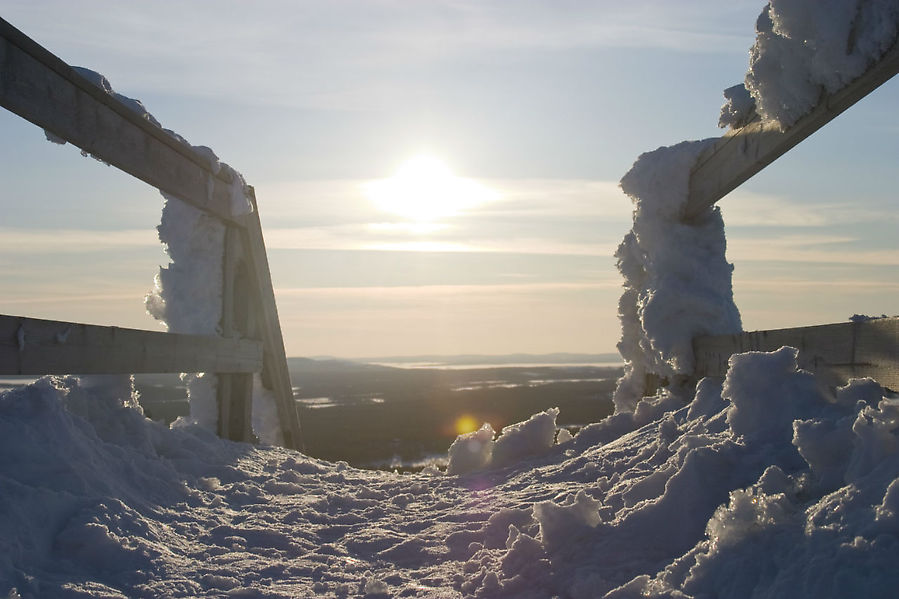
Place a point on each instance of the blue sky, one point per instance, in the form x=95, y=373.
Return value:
x=544, y=105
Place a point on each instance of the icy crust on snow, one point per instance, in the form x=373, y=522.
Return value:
x=804, y=49
x=763, y=486
x=677, y=282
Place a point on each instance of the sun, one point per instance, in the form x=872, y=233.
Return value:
x=424, y=190
x=465, y=424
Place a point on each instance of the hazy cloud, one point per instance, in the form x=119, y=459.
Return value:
x=743, y=208
x=815, y=248
x=50, y=241
x=311, y=53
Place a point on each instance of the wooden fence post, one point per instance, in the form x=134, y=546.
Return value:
x=235, y=391
x=275, y=374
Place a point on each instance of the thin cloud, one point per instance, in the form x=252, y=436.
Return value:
x=829, y=249
x=849, y=286
x=744, y=208
x=337, y=55
x=50, y=241
x=73, y=298
x=444, y=290
x=529, y=216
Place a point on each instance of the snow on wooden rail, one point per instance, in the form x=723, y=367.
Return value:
x=41, y=88
x=741, y=153
x=36, y=346
x=836, y=352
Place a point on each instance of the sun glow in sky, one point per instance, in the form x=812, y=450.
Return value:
x=425, y=190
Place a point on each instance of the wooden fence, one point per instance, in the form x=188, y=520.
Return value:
x=43, y=89
x=838, y=351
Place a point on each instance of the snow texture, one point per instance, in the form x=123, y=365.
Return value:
x=738, y=109
x=99, y=501
x=187, y=296
x=478, y=450
x=804, y=49
x=677, y=282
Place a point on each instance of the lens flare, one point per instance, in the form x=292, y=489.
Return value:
x=466, y=424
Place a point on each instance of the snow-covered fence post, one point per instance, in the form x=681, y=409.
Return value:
x=275, y=377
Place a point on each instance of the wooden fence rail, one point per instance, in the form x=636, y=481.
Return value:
x=743, y=152
x=36, y=346
x=836, y=352
x=39, y=87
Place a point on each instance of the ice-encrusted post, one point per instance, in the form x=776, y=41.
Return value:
x=677, y=281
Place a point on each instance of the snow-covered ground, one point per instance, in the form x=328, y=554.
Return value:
x=765, y=487
x=765, y=484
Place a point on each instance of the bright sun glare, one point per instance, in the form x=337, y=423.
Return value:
x=466, y=424
x=424, y=190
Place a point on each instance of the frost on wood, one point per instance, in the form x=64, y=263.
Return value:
x=738, y=109
x=188, y=292
x=187, y=296
x=239, y=200
x=677, y=282
x=804, y=49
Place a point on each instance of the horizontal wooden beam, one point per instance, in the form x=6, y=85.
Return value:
x=43, y=89
x=37, y=347
x=741, y=153
x=836, y=351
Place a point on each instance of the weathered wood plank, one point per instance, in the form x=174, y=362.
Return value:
x=235, y=390
x=741, y=153
x=837, y=351
x=275, y=375
x=41, y=88
x=36, y=347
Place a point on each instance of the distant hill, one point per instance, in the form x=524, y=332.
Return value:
x=474, y=359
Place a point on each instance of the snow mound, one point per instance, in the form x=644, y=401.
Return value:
x=478, y=450
x=471, y=451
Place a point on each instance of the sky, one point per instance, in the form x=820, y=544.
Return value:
x=438, y=177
